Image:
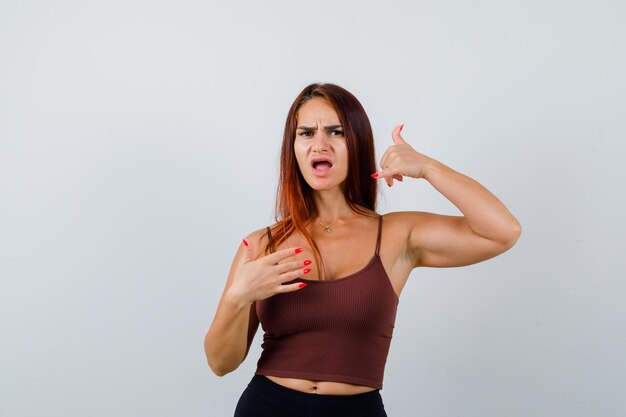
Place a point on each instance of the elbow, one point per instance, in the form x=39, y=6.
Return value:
x=221, y=367
x=514, y=235
x=219, y=370
x=214, y=361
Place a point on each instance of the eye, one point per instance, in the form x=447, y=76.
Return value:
x=305, y=133
x=339, y=132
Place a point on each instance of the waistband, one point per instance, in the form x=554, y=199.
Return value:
x=305, y=403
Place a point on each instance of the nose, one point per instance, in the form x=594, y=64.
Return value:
x=320, y=143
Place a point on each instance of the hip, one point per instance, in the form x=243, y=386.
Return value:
x=264, y=397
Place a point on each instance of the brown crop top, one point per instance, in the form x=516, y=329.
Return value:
x=334, y=330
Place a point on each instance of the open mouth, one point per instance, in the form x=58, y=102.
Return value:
x=321, y=166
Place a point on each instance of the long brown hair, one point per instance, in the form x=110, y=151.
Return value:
x=294, y=198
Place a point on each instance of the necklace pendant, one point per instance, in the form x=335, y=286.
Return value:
x=327, y=229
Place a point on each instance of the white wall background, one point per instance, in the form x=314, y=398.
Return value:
x=139, y=143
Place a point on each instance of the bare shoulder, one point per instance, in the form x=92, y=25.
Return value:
x=401, y=222
x=402, y=217
x=397, y=227
x=420, y=232
x=413, y=221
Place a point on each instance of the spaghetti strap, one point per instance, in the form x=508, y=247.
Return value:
x=380, y=228
x=269, y=238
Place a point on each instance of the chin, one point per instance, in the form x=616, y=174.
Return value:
x=325, y=183
x=318, y=186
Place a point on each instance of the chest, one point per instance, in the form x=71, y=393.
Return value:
x=364, y=302
x=341, y=254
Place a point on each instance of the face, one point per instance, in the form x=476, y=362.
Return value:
x=319, y=136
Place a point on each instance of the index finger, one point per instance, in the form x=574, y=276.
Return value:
x=383, y=159
x=274, y=258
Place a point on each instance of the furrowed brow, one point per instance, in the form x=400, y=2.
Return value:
x=315, y=128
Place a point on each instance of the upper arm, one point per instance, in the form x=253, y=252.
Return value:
x=442, y=241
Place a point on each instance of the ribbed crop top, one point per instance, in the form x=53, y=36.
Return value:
x=333, y=330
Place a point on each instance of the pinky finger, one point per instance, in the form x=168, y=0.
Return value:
x=292, y=287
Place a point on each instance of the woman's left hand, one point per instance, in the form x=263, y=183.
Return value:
x=400, y=159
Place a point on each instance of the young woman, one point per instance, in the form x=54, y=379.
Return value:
x=325, y=280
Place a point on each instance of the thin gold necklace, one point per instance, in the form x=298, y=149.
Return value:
x=327, y=227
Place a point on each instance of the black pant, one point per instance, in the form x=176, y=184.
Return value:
x=265, y=398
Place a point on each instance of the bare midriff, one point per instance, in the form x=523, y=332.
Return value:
x=320, y=387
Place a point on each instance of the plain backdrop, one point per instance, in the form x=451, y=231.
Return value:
x=139, y=142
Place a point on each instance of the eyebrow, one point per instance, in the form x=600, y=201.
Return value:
x=315, y=128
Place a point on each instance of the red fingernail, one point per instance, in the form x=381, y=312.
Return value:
x=245, y=242
x=307, y=262
x=374, y=175
x=401, y=127
x=401, y=179
x=298, y=250
x=302, y=285
x=307, y=270
x=389, y=184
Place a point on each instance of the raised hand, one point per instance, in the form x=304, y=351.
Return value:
x=400, y=159
x=259, y=279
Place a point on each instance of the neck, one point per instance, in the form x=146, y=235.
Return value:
x=330, y=204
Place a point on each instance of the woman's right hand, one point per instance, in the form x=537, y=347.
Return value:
x=262, y=278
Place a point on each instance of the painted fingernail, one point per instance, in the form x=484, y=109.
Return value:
x=307, y=270
x=302, y=284
x=298, y=250
x=401, y=127
x=401, y=179
x=307, y=262
x=245, y=242
x=389, y=184
x=374, y=175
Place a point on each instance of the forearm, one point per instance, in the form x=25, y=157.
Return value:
x=485, y=213
x=226, y=342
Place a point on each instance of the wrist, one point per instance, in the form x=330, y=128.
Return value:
x=236, y=300
x=432, y=168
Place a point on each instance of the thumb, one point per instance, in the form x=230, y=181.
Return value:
x=249, y=254
x=395, y=135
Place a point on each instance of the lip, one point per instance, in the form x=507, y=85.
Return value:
x=320, y=172
x=320, y=158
